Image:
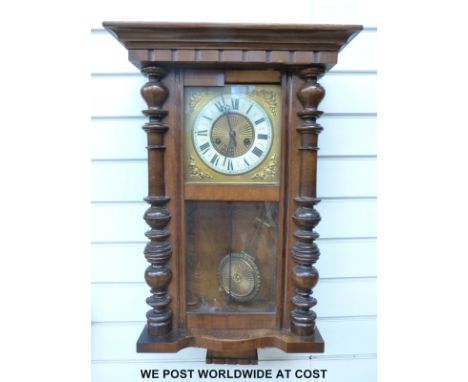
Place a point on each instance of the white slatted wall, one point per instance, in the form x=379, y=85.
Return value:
x=346, y=292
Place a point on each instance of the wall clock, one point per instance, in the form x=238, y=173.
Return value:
x=232, y=165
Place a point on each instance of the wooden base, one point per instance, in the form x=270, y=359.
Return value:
x=232, y=358
x=230, y=346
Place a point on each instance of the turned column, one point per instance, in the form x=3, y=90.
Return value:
x=305, y=252
x=158, y=250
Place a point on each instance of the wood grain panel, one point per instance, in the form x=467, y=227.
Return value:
x=203, y=78
x=183, y=55
x=301, y=57
x=232, y=320
x=231, y=55
x=255, y=56
x=222, y=192
x=208, y=55
x=280, y=56
x=253, y=76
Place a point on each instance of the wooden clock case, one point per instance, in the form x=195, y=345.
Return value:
x=174, y=56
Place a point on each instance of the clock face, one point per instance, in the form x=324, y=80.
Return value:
x=232, y=134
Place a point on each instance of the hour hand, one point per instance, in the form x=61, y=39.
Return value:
x=232, y=138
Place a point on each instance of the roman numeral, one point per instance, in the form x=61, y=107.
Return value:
x=259, y=121
x=229, y=166
x=208, y=118
x=205, y=147
x=247, y=163
x=250, y=107
x=220, y=106
x=257, y=152
x=235, y=103
x=215, y=160
x=202, y=133
x=262, y=136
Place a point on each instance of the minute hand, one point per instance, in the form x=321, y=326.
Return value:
x=232, y=133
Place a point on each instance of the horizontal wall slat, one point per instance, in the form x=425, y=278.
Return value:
x=347, y=258
x=117, y=138
x=337, y=177
x=339, y=258
x=341, y=218
x=336, y=298
x=347, y=93
x=123, y=138
x=360, y=54
x=348, y=136
x=338, y=370
x=108, y=56
x=342, y=336
x=120, y=95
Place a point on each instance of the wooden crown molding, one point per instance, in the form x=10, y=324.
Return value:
x=267, y=45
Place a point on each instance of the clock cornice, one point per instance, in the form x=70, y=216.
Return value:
x=267, y=45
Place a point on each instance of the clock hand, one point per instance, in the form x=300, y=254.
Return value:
x=232, y=133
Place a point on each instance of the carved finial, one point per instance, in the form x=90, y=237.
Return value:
x=154, y=92
x=311, y=94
